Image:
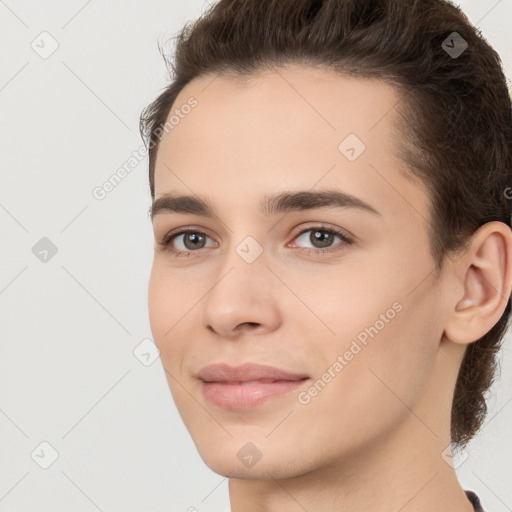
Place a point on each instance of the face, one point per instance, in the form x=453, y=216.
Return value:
x=310, y=254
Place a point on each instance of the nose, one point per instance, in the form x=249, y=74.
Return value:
x=243, y=299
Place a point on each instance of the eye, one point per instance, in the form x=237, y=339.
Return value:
x=322, y=238
x=187, y=241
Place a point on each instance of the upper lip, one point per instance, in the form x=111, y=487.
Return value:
x=222, y=372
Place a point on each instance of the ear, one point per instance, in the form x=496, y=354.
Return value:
x=482, y=284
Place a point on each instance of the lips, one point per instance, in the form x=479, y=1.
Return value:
x=245, y=373
x=246, y=386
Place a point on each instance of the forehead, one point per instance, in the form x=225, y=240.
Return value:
x=291, y=127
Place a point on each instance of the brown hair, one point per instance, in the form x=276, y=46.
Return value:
x=456, y=111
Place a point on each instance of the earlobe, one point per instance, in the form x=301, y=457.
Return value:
x=485, y=285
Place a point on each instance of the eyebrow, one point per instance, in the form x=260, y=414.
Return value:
x=283, y=202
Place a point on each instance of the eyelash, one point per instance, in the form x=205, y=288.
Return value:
x=346, y=240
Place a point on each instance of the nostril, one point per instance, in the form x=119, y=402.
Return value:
x=251, y=324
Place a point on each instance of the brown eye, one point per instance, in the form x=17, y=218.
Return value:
x=322, y=238
x=193, y=240
x=185, y=242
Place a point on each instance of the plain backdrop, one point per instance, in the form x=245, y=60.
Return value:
x=74, y=77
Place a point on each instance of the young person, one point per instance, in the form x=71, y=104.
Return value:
x=332, y=267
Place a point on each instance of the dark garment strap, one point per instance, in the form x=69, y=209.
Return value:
x=475, y=501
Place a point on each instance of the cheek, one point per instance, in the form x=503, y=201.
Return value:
x=158, y=303
x=401, y=356
x=383, y=351
x=166, y=308
x=380, y=380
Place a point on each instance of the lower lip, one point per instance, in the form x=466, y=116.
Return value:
x=239, y=397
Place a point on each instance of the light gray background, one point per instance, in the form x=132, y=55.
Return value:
x=68, y=327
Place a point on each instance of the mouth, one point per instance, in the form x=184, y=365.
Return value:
x=239, y=396
x=246, y=386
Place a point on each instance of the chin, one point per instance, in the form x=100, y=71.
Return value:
x=275, y=468
x=252, y=457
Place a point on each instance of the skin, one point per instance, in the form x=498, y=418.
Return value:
x=376, y=432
